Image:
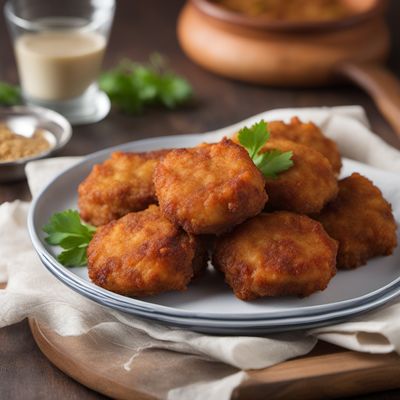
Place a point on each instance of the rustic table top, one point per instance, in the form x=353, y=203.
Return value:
x=141, y=28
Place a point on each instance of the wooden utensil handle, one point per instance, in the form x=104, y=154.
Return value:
x=381, y=84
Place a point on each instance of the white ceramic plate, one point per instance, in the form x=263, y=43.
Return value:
x=210, y=298
x=243, y=327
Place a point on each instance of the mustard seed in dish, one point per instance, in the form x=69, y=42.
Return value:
x=14, y=146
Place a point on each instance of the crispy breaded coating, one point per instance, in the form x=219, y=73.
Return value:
x=361, y=220
x=307, y=134
x=305, y=187
x=121, y=184
x=143, y=253
x=210, y=188
x=276, y=254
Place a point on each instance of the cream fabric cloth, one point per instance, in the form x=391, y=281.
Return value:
x=183, y=364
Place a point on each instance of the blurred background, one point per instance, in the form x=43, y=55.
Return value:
x=140, y=28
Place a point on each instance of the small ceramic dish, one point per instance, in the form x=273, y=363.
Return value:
x=25, y=121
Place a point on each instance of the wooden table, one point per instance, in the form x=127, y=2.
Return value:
x=140, y=28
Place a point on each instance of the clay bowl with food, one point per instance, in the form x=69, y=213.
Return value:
x=27, y=134
x=290, y=52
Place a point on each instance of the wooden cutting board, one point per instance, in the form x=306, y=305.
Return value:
x=327, y=372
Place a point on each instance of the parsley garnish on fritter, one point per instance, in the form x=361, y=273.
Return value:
x=66, y=230
x=270, y=162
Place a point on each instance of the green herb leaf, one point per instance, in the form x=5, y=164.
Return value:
x=174, y=91
x=132, y=87
x=271, y=162
x=275, y=161
x=66, y=230
x=119, y=88
x=73, y=257
x=9, y=95
x=254, y=138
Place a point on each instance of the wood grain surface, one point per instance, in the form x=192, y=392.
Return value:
x=327, y=372
x=140, y=28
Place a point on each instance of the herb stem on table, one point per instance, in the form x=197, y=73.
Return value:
x=132, y=86
x=10, y=95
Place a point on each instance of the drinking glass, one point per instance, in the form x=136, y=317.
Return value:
x=59, y=48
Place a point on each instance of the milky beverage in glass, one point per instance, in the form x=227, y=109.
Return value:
x=59, y=48
x=58, y=65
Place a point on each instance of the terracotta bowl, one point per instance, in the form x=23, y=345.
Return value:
x=359, y=11
x=286, y=53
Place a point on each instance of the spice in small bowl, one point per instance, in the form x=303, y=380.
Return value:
x=28, y=134
x=14, y=146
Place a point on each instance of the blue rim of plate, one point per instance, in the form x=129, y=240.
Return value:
x=158, y=143
x=113, y=298
x=267, y=325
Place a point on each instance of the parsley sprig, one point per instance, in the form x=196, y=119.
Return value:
x=132, y=87
x=66, y=230
x=10, y=95
x=270, y=162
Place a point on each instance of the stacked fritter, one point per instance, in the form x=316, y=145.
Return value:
x=270, y=236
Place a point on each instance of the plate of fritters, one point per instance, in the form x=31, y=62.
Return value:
x=191, y=233
x=256, y=326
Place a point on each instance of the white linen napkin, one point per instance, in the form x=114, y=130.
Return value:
x=193, y=365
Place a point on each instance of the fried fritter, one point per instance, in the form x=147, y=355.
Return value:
x=305, y=187
x=361, y=220
x=143, y=253
x=121, y=184
x=307, y=134
x=276, y=254
x=210, y=188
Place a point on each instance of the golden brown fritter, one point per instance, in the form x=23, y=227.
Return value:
x=361, y=220
x=305, y=187
x=143, y=253
x=119, y=185
x=307, y=134
x=276, y=254
x=210, y=188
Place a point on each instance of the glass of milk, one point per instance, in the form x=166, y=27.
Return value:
x=59, y=48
